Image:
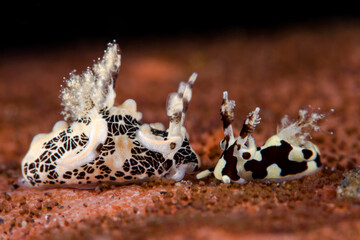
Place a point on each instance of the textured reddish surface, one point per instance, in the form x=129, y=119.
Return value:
x=279, y=72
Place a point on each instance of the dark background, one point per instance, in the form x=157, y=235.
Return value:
x=41, y=23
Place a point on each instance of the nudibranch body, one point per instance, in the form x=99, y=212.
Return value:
x=106, y=143
x=284, y=156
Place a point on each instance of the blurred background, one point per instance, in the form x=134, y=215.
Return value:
x=273, y=56
x=279, y=57
x=40, y=23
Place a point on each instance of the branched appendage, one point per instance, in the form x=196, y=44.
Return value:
x=227, y=116
x=245, y=141
x=297, y=132
x=177, y=106
x=93, y=88
x=250, y=123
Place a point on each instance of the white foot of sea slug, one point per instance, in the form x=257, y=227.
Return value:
x=105, y=143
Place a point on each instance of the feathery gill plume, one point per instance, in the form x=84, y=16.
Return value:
x=94, y=88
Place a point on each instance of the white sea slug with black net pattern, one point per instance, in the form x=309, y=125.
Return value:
x=99, y=142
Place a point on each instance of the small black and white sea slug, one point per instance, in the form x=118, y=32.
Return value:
x=284, y=156
x=100, y=142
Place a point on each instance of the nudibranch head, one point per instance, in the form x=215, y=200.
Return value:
x=284, y=156
x=106, y=143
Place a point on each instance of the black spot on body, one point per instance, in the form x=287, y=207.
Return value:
x=98, y=148
x=159, y=132
x=66, y=176
x=81, y=175
x=53, y=175
x=246, y=155
x=317, y=161
x=133, y=162
x=26, y=168
x=118, y=118
x=135, y=172
x=112, y=119
x=90, y=169
x=105, y=168
x=31, y=166
x=141, y=168
x=231, y=162
x=150, y=173
x=172, y=145
x=119, y=174
x=44, y=156
x=126, y=165
x=167, y=164
x=76, y=138
x=61, y=151
x=275, y=155
x=51, y=167
x=122, y=129
x=105, y=112
x=307, y=153
x=100, y=162
x=47, y=161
